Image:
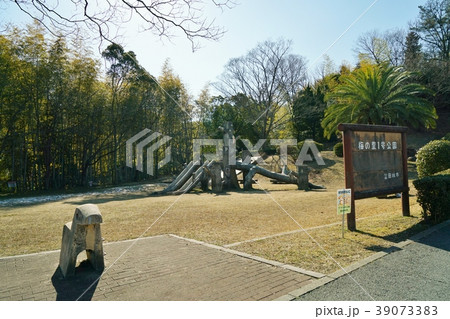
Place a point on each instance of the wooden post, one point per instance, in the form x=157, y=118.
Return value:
x=405, y=193
x=229, y=157
x=204, y=182
x=227, y=149
x=302, y=177
x=249, y=179
x=216, y=178
x=348, y=167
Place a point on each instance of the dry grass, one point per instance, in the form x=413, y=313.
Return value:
x=226, y=219
x=324, y=249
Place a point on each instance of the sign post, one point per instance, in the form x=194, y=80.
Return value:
x=375, y=163
x=12, y=184
x=344, y=204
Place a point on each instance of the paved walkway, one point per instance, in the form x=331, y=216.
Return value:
x=156, y=268
x=417, y=269
x=173, y=268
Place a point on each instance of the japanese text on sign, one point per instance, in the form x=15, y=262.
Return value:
x=344, y=201
x=377, y=145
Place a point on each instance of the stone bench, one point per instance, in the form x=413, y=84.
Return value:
x=83, y=233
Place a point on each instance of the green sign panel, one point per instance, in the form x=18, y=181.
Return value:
x=344, y=198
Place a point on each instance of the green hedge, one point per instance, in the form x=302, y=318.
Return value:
x=446, y=137
x=433, y=194
x=445, y=172
x=339, y=149
x=433, y=157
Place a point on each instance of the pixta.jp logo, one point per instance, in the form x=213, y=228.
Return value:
x=145, y=143
x=230, y=145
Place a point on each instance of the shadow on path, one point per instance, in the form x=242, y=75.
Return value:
x=439, y=239
x=77, y=287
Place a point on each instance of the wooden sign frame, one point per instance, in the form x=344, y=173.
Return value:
x=350, y=131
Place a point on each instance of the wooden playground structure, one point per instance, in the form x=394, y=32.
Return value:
x=223, y=174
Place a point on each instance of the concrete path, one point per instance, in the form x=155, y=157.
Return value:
x=156, y=268
x=417, y=269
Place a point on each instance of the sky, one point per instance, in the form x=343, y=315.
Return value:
x=316, y=27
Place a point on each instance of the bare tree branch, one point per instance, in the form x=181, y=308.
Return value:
x=163, y=18
x=383, y=47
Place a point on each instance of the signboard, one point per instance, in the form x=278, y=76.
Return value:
x=375, y=163
x=344, y=201
x=12, y=184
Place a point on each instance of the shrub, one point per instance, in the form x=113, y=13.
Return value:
x=446, y=137
x=433, y=157
x=339, y=149
x=433, y=194
x=301, y=143
x=445, y=172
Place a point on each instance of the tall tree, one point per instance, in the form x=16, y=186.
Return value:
x=413, y=51
x=433, y=27
x=122, y=65
x=232, y=109
x=270, y=76
x=387, y=47
x=87, y=135
x=53, y=109
x=176, y=117
x=377, y=94
x=308, y=110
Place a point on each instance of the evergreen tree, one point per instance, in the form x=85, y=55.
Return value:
x=377, y=94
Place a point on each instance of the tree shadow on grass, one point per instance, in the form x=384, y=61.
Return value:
x=400, y=236
x=81, y=286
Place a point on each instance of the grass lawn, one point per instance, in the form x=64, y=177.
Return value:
x=231, y=218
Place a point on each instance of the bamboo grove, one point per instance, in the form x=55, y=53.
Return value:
x=63, y=123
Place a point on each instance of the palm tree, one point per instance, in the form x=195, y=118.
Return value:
x=378, y=94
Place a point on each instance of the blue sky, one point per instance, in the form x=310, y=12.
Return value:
x=312, y=25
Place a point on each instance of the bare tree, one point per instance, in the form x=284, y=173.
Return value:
x=326, y=67
x=106, y=18
x=396, y=40
x=383, y=47
x=270, y=76
x=433, y=28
